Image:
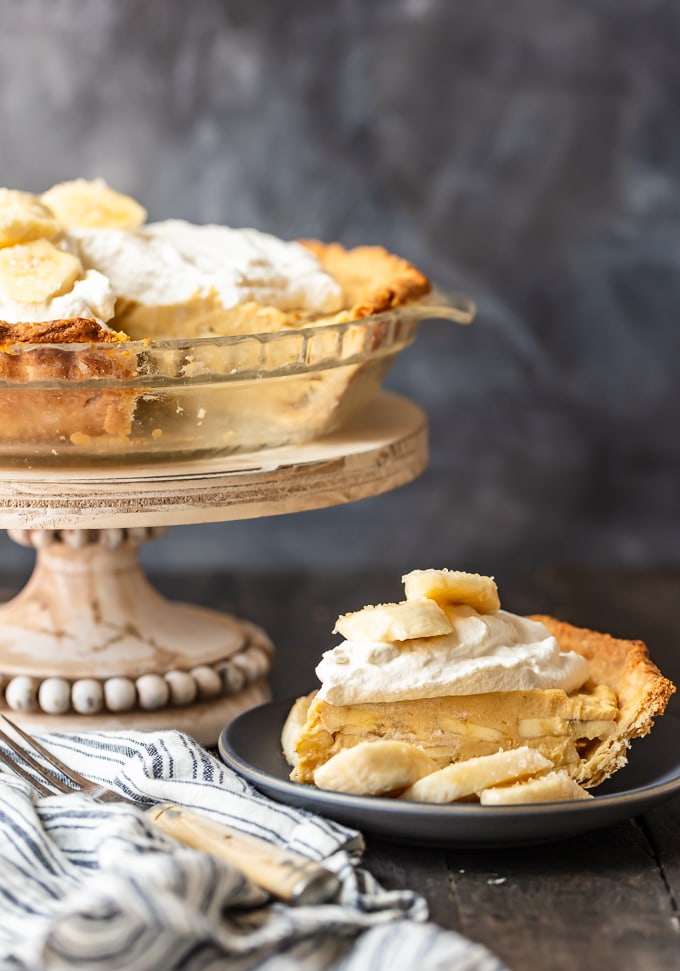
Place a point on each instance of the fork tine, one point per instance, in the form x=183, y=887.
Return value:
x=52, y=760
x=87, y=786
x=29, y=760
x=20, y=771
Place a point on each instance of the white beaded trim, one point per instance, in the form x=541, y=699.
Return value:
x=89, y=696
x=78, y=539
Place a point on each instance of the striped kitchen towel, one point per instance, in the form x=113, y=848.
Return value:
x=90, y=885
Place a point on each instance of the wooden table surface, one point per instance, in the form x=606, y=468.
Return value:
x=605, y=900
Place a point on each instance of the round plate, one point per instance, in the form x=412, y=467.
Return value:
x=251, y=746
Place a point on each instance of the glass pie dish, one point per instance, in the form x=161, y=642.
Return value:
x=167, y=400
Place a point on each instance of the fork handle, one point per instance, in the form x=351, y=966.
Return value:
x=288, y=876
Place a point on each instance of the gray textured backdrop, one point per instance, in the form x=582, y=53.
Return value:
x=527, y=152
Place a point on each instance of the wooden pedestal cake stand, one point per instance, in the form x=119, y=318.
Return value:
x=88, y=644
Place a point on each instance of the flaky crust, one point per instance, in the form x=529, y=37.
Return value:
x=373, y=279
x=35, y=352
x=73, y=330
x=642, y=691
x=45, y=363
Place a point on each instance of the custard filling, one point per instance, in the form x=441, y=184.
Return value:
x=563, y=727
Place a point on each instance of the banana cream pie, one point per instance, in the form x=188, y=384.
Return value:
x=450, y=674
x=80, y=265
x=84, y=251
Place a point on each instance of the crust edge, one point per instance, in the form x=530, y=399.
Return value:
x=66, y=330
x=386, y=280
x=625, y=665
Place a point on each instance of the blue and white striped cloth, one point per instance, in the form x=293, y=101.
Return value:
x=90, y=885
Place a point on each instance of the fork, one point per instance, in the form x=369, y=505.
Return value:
x=289, y=876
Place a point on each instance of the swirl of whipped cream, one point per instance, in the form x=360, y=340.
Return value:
x=173, y=261
x=484, y=652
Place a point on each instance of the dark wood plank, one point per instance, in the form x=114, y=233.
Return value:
x=599, y=901
x=594, y=902
x=422, y=869
x=662, y=827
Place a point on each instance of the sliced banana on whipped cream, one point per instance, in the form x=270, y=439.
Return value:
x=439, y=644
x=24, y=218
x=92, y=204
x=453, y=587
x=423, y=613
x=395, y=622
x=37, y=271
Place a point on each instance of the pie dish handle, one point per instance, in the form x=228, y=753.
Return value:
x=440, y=305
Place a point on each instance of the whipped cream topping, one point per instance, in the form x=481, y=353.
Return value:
x=90, y=297
x=484, y=652
x=172, y=262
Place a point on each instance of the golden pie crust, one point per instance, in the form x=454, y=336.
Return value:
x=68, y=413
x=66, y=331
x=624, y=666
x=586, y=732
x=373, y=279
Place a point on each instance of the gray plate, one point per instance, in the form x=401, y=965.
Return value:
x=251, y=745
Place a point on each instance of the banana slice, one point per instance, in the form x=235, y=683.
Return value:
x=293, y=725
x=556, y=786
x=453, y=587
x=37, y=271
x=93, y=205
x=24, y=218
x=394, y=622
x=374, y=768
x=461, y=779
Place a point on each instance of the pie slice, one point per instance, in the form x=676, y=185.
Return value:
x=585, y=731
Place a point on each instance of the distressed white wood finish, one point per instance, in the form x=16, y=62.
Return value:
x=88, y=640
x=90, y=644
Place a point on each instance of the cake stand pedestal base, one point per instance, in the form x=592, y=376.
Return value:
x=89, y=642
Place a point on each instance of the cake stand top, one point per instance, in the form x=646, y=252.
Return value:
x=384, y=447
